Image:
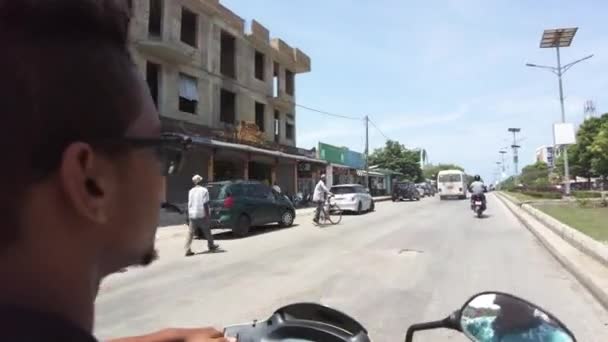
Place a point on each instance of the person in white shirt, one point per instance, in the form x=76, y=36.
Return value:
x=198, y=215
x=319, y=195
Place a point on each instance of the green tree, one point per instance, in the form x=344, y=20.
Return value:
x=581, y=155
x=395, y=157
x=535, y=175
x=431, y=171
x=599, y=152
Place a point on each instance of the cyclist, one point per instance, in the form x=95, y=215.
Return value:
x=319, y=196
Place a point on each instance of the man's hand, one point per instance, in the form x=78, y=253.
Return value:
x=181, y=335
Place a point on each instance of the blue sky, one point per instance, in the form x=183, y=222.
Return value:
x=447, y=75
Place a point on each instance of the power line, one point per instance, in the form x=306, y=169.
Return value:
x=379, y=130
x=328, y=113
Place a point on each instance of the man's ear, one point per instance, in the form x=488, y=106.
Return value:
x=84, y=179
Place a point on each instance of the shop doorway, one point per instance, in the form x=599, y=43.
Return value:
x=260, y=172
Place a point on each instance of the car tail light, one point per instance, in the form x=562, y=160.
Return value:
x=229, y=202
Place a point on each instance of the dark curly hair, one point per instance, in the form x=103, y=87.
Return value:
x=66, y=75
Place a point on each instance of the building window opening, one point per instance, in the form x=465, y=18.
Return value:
x=155, y=21
x=277, y=126
x=259, y=65
x=189, y=27
x=259, y=116
x=289, y=82
x=227, y=107
x=188, y=94
x=275, y=80
x=227, y=55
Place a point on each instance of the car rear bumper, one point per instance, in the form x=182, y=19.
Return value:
x=222, y=222
x=347, y=205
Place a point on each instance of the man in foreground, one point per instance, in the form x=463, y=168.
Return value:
x=83, y=167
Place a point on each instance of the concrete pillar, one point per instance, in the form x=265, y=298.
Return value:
x=295, y=177
x=211, y=166
x=273, y=173
x=246, y=167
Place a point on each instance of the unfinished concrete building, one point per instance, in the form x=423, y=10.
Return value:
x=233, y=90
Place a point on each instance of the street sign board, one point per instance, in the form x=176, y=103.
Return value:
x=563, y=134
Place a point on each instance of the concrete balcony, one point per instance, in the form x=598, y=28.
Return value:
x=172, y=52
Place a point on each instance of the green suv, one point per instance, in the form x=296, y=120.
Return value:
x=239, y=205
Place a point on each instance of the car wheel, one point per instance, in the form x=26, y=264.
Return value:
x=359, y=208
x=287, y=219
x=372, y=206
x=243, y=224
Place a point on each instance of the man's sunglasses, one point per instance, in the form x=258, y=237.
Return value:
x=169, y=148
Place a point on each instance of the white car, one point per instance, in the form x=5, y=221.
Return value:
x=353, y=197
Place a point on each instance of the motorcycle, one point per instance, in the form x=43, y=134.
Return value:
x=477, y=205
x=485, y=317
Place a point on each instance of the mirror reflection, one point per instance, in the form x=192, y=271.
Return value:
x=493, y=317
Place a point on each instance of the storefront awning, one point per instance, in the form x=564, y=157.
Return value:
x=246, y=148
x=361, y=173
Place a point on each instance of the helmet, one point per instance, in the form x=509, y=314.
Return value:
x=477, y=178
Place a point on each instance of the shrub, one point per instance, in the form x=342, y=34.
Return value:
x=543, y=194
x=587, y=194
x=583, y=202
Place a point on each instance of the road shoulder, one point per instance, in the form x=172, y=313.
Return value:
x=590, y=270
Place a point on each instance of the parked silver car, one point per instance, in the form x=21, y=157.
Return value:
x=353, y=197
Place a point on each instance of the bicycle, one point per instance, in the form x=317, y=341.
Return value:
x=331, y=212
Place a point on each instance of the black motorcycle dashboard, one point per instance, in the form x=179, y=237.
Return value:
x=301, y=323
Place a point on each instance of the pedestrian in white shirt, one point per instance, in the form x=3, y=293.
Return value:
x=318, y=197
x=198, y=215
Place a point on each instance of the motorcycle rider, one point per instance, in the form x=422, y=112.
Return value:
x=84, y=165
x=320, y=194
x=477, y=188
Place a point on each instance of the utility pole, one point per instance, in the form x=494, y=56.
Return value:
x=366, y=151
x=515, y=147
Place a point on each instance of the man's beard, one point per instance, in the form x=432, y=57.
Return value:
x=149, y=257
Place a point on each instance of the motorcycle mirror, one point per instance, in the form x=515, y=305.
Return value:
x=495, y=316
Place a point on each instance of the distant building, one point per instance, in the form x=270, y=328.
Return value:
x=546, y=155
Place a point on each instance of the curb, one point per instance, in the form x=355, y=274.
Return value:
x=593, y=283
x=593, y=248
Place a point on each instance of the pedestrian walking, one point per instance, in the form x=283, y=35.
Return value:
x=198, y=215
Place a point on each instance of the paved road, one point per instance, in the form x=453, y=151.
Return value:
x=405, y=263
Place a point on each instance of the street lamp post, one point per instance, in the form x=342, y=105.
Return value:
x=515, y=147
x=556, y=38
x=502, y=159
